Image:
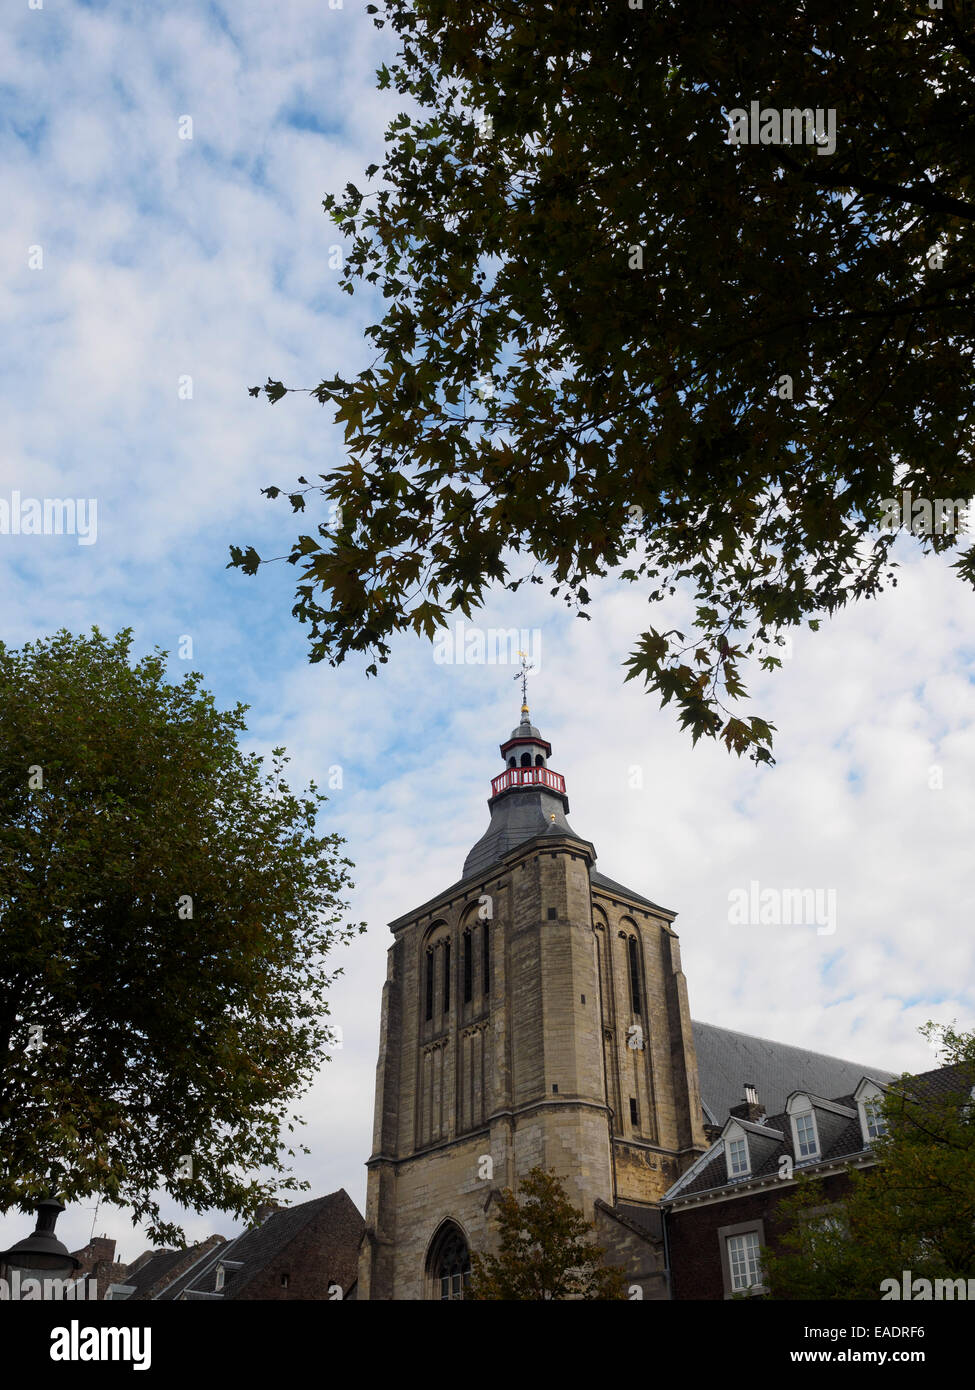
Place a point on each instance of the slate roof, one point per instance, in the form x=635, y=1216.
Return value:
x=614, y=889
x=727, y=1060
x=943, y=1083
x=837, y=1124
x=516, y=816
x=839, y=1136
x=254, y=1250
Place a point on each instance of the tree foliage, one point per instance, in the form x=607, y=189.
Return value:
x=914, y=1211
x=613, y=343
x=544, y=1249
x=166, y=906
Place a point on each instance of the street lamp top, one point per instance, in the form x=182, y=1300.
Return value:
x=42, y=1250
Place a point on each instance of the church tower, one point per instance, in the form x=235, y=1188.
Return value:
x=534, y=1013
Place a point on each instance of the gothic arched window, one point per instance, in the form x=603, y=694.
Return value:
x=468, y=967
x=450, y=1263
x=435, y=982
x=634, y=973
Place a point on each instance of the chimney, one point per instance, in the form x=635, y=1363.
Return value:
x=265, y=1210
x=749, y=1109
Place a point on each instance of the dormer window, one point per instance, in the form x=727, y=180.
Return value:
x=807, y=1145
x=805, y=1136
x=870, y=1101
x=737, y=1157
x=873, y=1114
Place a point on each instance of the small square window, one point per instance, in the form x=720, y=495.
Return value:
x=553, y=912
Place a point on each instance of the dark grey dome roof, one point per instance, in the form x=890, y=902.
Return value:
x=516, y=816
x=527, y=731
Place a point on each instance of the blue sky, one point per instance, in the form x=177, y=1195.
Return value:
x=166, y=258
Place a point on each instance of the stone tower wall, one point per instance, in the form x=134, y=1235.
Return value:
x=535, y=1071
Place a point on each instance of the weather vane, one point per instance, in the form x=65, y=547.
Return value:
x=522, y=676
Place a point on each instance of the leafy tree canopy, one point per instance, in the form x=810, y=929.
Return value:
x=614, y=343
x=166, y=906
x=544, y=1249
x=914, y=1211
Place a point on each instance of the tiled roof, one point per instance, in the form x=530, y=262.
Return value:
x=156, y=1267
x=254, y=1250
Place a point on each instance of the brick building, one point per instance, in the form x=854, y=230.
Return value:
x=296, y=1253
x=725, y=1209
x=97, y=1263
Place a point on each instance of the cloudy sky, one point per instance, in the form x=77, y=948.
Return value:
x=169, y=265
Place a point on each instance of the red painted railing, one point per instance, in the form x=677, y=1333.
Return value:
x=528, y=777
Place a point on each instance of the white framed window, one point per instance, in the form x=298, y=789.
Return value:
x=875, y=1122
x=807, y=1144
x=869, y=1098
x=744, y=1261
x=741, y=1257
x=737, y=1157
x=221, y=1274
